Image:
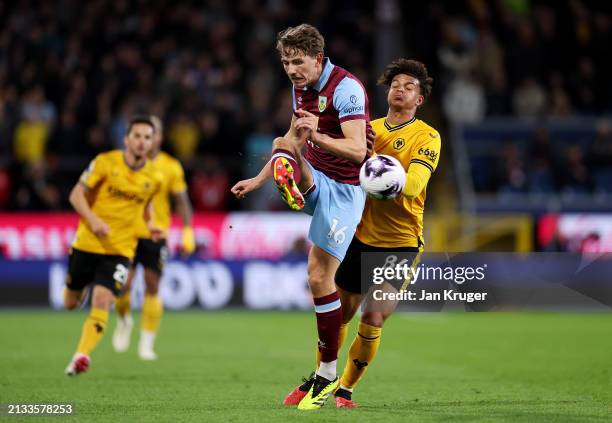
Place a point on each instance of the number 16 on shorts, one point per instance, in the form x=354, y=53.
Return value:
x=338, y=235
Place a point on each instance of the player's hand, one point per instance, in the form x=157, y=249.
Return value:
x=370, y=137
x=188, y=242
x=242, y=188
x=157, y=233
x=98, y=226
x=306, y=124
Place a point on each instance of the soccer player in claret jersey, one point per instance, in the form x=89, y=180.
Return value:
x=388, y=226
x=152, y=254
x=111, y=196
x=315, y=167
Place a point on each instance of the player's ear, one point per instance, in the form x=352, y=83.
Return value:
x=319, y=58
x=420, y=100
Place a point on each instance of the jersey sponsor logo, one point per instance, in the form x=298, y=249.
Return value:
x=129, y=196
x=322, y=103
x=353, y=99
x=430, y=154
x=352, y=110
x=399, y=143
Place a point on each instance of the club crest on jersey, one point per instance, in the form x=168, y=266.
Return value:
x=322, y=103
x=399, y=143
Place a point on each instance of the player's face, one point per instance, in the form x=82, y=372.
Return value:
x=404, y=92
x=302, y=70
x=139, y=140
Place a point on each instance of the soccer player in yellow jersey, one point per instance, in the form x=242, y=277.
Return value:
x=389, y=226
x=113, y=193
x=386, y=226
x=152, y=253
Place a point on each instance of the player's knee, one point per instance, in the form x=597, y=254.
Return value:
x=374, y=318
x=71, y=301
x=102, y=298
x=316, y=277
x=282, y=143
x=152, y=288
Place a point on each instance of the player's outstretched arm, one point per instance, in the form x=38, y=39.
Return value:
x=242, y=188
x=156, y=232
x=352, y=147
x=79, y=202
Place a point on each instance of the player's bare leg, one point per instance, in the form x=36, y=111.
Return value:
x=73, y=299
x=93, y=330
x=290, y=173
x=152, y=310
x=125, y=323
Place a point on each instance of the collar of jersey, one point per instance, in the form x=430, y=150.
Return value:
x=400, y=126
x=325, y=73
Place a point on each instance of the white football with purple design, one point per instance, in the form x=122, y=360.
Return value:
x=382, y=177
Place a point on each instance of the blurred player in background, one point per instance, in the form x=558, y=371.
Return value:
x=112, y=195
x=391, y=226
x=329, y=123
x=152, y=254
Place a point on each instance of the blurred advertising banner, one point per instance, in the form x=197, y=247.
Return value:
x=407, y=280
x=218, y=235
x=584, y=232
x=210, y=284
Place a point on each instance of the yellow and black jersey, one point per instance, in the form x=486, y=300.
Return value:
x=173, y=183
x=118, y=195
x=399, y=222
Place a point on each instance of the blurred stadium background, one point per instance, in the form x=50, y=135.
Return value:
x=522, y=97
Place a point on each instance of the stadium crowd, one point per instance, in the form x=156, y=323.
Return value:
x=72, y=73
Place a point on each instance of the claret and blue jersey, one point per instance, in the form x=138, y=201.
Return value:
x=337, y=97
x=337, y=201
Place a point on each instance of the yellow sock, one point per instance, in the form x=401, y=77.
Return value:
x=362, y=353
x=341, y=338
x=122, y=304
x=93, y=330
x=152, y=310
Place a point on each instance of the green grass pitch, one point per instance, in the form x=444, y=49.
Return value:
x=238, y=365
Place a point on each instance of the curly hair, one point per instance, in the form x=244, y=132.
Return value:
x=409, y=67
x=302, y=38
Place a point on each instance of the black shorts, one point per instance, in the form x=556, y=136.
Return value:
x=98, y=269
x=151, y=254
x=348, y=275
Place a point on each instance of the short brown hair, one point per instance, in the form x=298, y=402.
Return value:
x=302, y=38
x=146, y=120
x=408, y=67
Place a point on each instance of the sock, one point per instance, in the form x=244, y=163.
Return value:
x=152, y=310
x=93, y=330
x=327, y=369
x=329, y=319
x=362, y=353
x=279, y=152
x=147, y=338
x=341, y=338
x=122, y=304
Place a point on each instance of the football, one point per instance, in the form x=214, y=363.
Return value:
x=382, y=177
